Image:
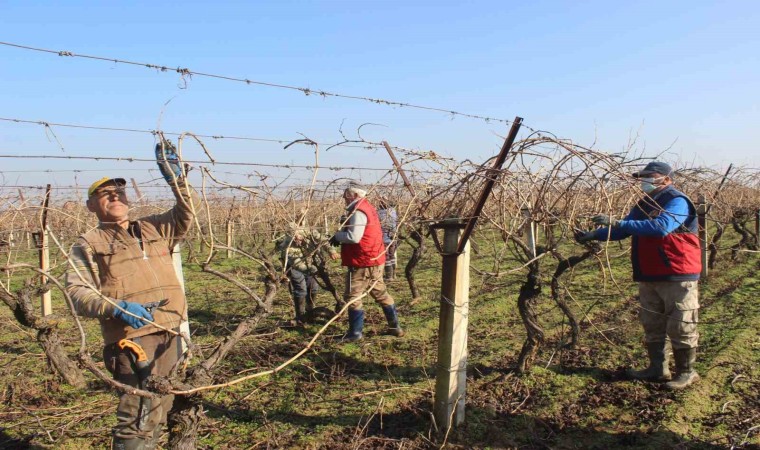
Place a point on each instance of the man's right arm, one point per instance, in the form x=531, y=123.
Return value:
x=174, y=223
x=81, y=284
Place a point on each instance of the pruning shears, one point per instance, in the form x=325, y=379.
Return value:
x=150, y=306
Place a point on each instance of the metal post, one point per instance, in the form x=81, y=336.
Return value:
x=140, y=197
x=491, y=176
x=757, y=227
x=451, y=375
x=702, y=221
x=399, y=169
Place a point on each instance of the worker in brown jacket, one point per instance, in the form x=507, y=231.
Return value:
x=122, y=274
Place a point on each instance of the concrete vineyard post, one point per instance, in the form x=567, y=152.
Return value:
x=451, y=376
x=530, y=230
x=184, y=327
x=702, y=221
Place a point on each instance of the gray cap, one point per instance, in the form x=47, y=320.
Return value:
x=353, y=184
x=653, y=168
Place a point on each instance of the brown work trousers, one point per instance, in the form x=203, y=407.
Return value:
x=359, y=279
x=670, y=309
x=163, y=350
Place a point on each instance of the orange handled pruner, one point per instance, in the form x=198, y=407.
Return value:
x=140, y=356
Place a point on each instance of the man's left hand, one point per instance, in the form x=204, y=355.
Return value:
x=603, y=219
x=585, y=236
x=168, y=161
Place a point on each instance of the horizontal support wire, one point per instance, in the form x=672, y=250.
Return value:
x=368, y=145
x=307, y=91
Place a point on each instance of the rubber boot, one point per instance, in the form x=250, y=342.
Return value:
x=658, y=364
x=392, y=317
x=127, y=444
x=685, y=373
x=355, y=326
x=311, y=299
x=388, y=273
x=152, y=443
x=393, y=271
x=298, y=303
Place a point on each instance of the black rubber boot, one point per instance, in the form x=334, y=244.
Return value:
x=685, y=373
x=311, y=299
x=393, y=271
x=127, y=444
x=298, y=303
x=392, y=317
x=658, y=364
x=152, y=443
x=355, y=326
x=388, y=273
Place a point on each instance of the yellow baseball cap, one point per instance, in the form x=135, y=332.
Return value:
x=94, y=186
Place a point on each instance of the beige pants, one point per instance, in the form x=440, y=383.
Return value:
x=670, y=309
x=358, y=279
x=163, y=351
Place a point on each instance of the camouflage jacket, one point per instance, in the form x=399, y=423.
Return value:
x=307, y=254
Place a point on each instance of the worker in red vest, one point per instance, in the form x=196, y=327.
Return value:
x=667, y=263
x=363, y=253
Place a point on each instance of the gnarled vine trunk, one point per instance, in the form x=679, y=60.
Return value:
x=187, y=412
x=47, y=335
x=417, y=253
x=526, y=304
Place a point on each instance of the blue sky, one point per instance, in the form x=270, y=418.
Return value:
x=675, y=73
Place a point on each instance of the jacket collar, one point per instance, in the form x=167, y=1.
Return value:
x=352, y=206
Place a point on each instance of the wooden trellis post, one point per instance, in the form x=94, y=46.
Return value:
x=757, y=227
x=41, y=240
x=202, y=244
x=230, y=237
x=451, y=376
x=702, y=222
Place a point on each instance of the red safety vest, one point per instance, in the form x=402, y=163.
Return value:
x=675, y=257
x=370, y=251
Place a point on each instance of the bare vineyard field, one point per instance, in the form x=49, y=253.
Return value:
x=551, y=329
x=551, y=322
x=378, y=393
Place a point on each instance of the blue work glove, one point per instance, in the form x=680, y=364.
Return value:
x=168, y=161
x=603, y=219
x=585, y=236
x=134, y=308
x=334, y=241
